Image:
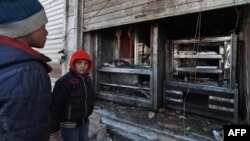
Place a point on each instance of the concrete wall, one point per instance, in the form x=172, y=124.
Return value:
x=74, y=29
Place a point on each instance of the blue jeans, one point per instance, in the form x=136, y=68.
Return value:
x=76, y=134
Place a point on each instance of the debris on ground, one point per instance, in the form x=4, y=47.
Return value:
x=166, y=119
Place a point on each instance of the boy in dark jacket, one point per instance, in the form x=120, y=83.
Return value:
x=73, y=100
x=25, y=87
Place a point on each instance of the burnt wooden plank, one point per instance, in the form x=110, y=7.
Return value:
x=89, y=3
x=221, y=103
x=116, y=9
x=133, y=8
x=137, y=87
x=201, y=89
x=95, y=7
x=126, y=70
x=208, y=111
x=123, y=99
x=113, y=5
x=171, y=95
x=203, y=56
x=148, y=11
x=205, y=111
x=174, y=103
x=196, y=70
x=154, y=31
x=204, y=40
x=233, y=61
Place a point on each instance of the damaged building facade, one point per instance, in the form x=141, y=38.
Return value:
x=190, y=54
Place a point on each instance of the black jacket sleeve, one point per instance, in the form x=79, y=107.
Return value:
x=59, y=97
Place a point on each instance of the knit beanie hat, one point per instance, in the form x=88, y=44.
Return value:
x=21, y=17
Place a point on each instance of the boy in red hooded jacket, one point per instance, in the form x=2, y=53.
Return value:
x=73, y=100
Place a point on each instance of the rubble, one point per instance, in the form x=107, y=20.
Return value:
x=134, y=124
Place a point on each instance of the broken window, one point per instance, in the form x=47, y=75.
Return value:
x=124, y=62
x=202, y=62
x=127, y=46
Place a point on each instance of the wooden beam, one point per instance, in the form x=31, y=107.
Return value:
x=143, y=10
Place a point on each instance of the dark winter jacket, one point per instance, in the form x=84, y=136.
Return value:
x=25, y=92
x=73, y=99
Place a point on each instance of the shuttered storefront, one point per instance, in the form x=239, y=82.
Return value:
x=55, y=10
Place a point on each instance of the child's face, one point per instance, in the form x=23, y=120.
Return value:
x=81, y=66
x=37, y=38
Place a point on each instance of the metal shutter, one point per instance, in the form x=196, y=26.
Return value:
x=55, y=10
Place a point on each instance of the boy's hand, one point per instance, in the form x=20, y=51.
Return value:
x=55, y=137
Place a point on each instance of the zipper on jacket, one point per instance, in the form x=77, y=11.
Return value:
x=69, y=111
x=85, y=102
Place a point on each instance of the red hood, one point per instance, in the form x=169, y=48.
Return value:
x=77, y=55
